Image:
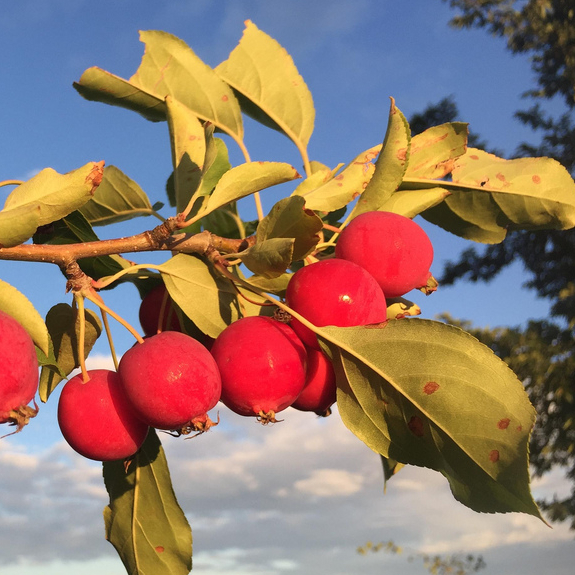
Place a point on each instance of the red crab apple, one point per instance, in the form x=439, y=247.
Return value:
x=392, y=248
x=18, y=372
x=170, y=379
x=97, y=420
x=319, y=392
x=334, y=292
x=149, y=313
x=263, y=365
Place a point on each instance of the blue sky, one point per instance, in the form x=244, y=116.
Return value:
x=354, y=55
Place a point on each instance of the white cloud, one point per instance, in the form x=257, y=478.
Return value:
x=330, y=483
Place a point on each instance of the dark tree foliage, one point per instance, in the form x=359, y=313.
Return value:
x=543, y=352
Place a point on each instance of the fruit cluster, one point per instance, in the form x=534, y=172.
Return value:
x=258, y=366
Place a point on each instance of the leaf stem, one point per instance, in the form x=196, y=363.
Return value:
x=79, y=301
x=11, y=183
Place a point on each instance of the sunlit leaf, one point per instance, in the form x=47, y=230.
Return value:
x=390, y=165
x=64, y=327
x=290, y=218
x=410, y=203
x=117, y=198
x=17, y=305
x=270, y=87
x=45, y=198
x=331, y=194
x=434, y=151
x=209, y=301
x=246, y=179
x=491, y=196
x=144, y=521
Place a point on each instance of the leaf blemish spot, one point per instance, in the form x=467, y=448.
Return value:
x=494, y=456
x=416, y=426
x=224, y=98
x=503, y=423
x=474, y=157
x=430, y=387
x=160, y=549
x=536, y=179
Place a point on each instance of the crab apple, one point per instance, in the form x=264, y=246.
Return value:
x=170, y=379
x=18, y=372
x=334, y=292
x=149, y=313
x=392, y=248
x=96, y=418
x=319, y=392
x=263, y=366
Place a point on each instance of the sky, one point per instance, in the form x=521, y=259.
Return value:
x=301, y=495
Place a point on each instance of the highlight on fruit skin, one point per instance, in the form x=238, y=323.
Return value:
x=18, y=373
x=263, y=365
x=394, y=249
x=334, y=292
x=96, y=418
x=170, y=379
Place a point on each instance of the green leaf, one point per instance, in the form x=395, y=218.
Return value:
x=272, y=90
x=98, y=85
x=491, y=196
x=18, y=306
x=269, y=258
x=143, y=521
x=246, y=179
x=188, y=142
x=169, y=67
x=45, y=198
x=117, y=198
x=410, y=203
x=276, y=285
x=433, y=152
x=64, y=327
x=208, y=300
x=390, y=166
x=440, y=399
x=332, y=194
x=390, y=468
x=290, y=218
x=399, y=307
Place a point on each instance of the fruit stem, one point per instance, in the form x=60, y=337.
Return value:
x=79, y=301
x=109, y=336
x=97, y=300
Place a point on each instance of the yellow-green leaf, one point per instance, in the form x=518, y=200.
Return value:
x=18, y=306
x=45, y=198
x=270, y=87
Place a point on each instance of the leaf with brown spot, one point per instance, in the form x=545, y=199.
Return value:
x=382, y=372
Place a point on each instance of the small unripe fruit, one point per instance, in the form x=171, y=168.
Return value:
x=18, y=372
x=170, y=379
x=319, y=392
x=96, y=418
x=334, y=292
x=149, y=313
x=263, y=365
x=392, y=248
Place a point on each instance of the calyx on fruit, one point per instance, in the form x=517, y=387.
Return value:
x=394, y=249
x=263, y=366
x=334, y=292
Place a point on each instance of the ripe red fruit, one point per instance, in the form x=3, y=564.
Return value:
x=96, y=418
x=319, y=392
x=149, y=313
x=392, y=248
x=18, y=372
x=334, y=292
x=263, y=366
x=170, y=379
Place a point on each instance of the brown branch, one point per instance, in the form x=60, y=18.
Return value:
x=161, y=238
